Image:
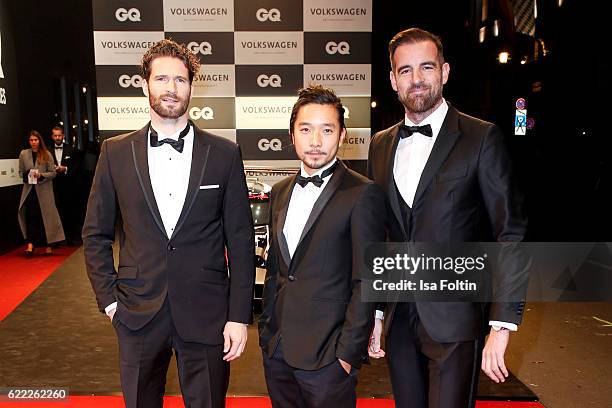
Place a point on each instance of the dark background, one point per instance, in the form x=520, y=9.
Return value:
x=564, y=164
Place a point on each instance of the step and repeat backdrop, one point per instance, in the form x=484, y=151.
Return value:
x=255, y=55
x=11, y=141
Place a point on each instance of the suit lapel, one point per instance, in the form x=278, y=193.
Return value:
x=141, y=164
x=389, y=157
x=444, y=143
x=283, y=200
x=199, y=159
x=52, y=153
x=319, y=205
x=30, y=159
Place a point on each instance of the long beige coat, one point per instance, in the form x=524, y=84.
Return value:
x=44, y=192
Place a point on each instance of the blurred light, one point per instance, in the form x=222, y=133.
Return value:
x=535, y=8
x=559, y=3
x=62, y=123
x=373, y=104
x=503, y=57
x=481, y=34
x=74, y=126
x=86, y=121
x=523, y=61
x=544, y=49
x=495, y=28
x=536, y=86
x=84, y=89
x=485, y=10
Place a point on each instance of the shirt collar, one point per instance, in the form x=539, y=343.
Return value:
x=173, y=136
x=435, y=119
x=320, y=171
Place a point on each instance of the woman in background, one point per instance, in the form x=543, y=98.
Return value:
x=38, y=217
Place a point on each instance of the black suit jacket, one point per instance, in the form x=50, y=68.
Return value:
x=69, y=160
x=466, y=194
x=189, y=268
x=319, y=313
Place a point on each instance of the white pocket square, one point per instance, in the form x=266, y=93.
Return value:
x=209, y=186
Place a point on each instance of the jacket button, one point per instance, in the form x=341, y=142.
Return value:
x=171, y=248
x=291, y=278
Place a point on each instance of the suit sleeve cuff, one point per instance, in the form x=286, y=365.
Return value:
x=110, y=308
x=509, y=326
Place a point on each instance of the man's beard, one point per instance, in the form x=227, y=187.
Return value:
x=423, y=102
x=168, y=113
x=311, y=163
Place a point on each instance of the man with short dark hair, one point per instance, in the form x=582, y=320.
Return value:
x=179, y=196
x=314, y=327
x=64, y=186
x=448, y=178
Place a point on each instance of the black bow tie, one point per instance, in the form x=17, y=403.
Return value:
x=317, y=180
x=425, y=130
x=59, y=147
x=176, y=144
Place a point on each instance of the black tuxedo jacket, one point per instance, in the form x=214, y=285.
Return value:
x=466, y=194
x=68, y=159
x=188, y=268
x=313, y=300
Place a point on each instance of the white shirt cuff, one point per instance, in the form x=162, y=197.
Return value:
x=110, y=308
x=379, y=314
x=509, y=326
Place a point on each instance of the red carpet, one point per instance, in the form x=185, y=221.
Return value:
x=20, y=276
x=236, y=402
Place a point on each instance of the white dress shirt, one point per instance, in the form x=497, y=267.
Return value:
x=58, y=150
x=413, y=152
x=169, y=171
x=410, y=159
x=300, y=206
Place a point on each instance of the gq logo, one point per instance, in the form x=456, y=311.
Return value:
x=341, y=48
x=272, y=15
x=273, y=80
x=125, y=81
x=132, y=14
x=273, y=144
x=346, y=113
x=203, y=48
x=205, y=113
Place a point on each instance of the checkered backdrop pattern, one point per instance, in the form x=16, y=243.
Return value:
x=255, y=55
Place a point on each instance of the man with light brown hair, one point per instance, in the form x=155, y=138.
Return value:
x=179, y=196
